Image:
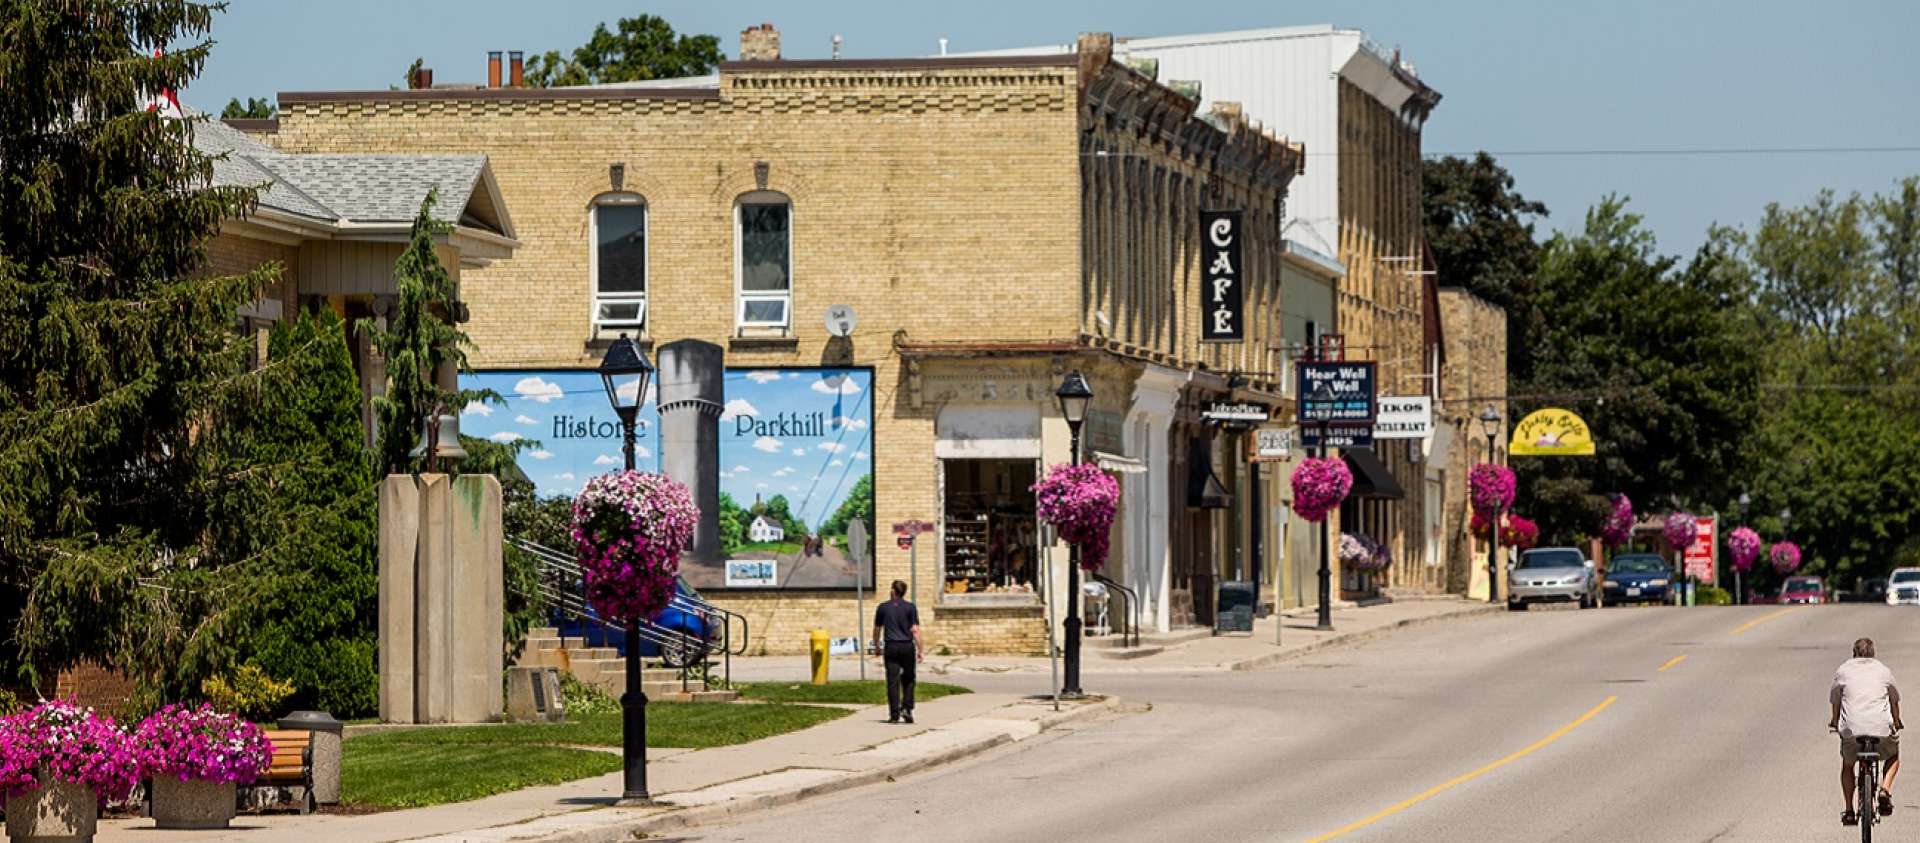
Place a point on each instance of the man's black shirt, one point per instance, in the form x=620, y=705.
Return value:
x=896, y=618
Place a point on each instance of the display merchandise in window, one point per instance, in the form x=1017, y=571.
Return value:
x=990, y=529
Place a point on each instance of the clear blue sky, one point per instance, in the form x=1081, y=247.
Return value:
x=1622, y=74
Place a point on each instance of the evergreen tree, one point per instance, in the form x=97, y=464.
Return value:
x=119, y=351
x=419, y=340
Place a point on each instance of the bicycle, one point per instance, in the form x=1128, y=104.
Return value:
x=1866, y=780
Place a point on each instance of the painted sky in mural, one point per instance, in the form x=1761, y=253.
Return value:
x=804, y=434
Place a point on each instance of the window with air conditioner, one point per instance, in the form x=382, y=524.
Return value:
x=764, y=260
x=619, y=264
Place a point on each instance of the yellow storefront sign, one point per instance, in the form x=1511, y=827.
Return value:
x=1551, y=432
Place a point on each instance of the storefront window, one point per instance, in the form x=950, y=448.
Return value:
x=990, y=535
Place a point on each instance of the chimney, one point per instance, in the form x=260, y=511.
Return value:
x=516, y=69
x=760, y=43
x=493, y=68
x=422, y=79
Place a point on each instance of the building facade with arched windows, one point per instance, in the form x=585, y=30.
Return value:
x=993, y=222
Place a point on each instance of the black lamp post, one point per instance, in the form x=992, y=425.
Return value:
x=1490, y=425
x=1323, y=395
x=625, y=372
x=1074, y=395
x=1739, y=588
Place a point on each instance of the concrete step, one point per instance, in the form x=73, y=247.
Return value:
x=572, y=643
x=593, y=653
x=543, y=632
x=1140, y=652
x=614, y=683
x=697, y=696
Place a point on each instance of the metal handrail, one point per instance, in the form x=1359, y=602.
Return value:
x=559, y=586
x=1132, y=608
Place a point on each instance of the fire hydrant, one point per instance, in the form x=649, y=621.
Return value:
x=820, y=643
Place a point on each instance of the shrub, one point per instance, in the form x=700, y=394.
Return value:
x=1709, y=595
x=583, y=699
x=248, y=692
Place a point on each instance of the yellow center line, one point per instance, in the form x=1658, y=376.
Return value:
x=1672, y=661
x=1760, y=620
x=1462, y=779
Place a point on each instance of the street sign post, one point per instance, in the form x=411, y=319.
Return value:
x=857, y=550
x=906, y=534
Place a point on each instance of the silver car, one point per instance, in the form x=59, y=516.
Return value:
x=1550, y=575
x=1903, y=586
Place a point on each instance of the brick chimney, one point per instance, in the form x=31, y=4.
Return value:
x=516, y=69
x=493, y=68
x=422, y=79
x=760, y=43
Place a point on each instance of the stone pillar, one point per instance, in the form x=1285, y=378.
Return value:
x=399, y=537
x=442, y=597
x=692, y=392
x=475, y=600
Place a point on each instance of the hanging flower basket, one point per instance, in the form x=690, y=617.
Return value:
x=1491, y=486
x=59, y=762
x=1519, y=533
x=1681, y=530
x=1786, y=557
x=1360, y=553
x=1319, y=485
x=629, y=529
x=1079, y=500
x=1617, y=529
x=1743, y=545
x=196, y=757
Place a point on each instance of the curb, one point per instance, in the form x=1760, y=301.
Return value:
x=1271, y=659
x=672, y=819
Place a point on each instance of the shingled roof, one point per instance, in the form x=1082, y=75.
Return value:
x=355, y=189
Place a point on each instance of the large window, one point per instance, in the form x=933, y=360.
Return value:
x=765, y=260
x=619, y=261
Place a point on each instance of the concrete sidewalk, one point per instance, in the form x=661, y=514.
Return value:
x=691, y=786
x=1351, y=625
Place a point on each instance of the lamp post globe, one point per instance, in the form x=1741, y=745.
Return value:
x=624, y=371
x=1075, y=395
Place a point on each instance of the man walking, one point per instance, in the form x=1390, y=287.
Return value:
x=896, y=625
x=1866, y=703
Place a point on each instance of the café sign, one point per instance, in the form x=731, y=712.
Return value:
x=1222, y=301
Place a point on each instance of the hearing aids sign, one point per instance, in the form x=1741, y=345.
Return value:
x=1221, y=299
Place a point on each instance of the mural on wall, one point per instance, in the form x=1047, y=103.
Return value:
x=795, y=462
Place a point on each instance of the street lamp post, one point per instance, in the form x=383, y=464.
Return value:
x=1739, y=586
x=625, y=372
x=1490, y=424
x=1322, y=394
x=1074, y=395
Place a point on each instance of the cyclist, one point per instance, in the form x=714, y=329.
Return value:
x=1866, y=703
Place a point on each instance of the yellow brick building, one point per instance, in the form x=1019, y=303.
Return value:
x=993, y=222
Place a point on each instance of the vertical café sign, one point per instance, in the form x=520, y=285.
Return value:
x=1222, y=300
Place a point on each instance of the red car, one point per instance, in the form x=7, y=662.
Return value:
x=1803, y=590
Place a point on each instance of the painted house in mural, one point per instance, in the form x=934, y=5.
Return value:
x=992, y=222
x=762, y=531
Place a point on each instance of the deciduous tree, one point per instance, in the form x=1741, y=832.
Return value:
x=639, y=48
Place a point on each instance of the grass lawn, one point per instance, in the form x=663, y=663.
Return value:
x=781, y=548
x=867, y=692
x=430, y=766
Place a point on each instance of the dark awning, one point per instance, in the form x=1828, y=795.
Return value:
x=1371, y=479
x=1204, y=489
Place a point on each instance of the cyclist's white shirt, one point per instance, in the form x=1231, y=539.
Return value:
x=1865, y=691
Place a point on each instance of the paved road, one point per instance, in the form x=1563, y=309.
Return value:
x=1554, y=725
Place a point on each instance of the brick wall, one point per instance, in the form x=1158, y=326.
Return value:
x=1474, y=377
x=94, y=685
x=234, y=254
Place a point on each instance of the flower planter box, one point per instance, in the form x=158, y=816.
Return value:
x=194, y=803
x=54, y=812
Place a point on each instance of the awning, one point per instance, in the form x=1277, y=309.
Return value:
x=1371, y=479
x=1204, y=489
x=1118, y=464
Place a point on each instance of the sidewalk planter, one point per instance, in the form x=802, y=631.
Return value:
x=326, y=733
x=195, y=757
x=58, y=763
x=52, y=812
x=192, y=803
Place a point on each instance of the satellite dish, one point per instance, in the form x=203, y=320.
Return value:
x=840, y=320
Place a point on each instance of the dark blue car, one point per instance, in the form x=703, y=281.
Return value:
x=693, y=627
x=1636, y=578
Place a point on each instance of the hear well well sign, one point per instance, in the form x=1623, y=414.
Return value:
x=1222, y=301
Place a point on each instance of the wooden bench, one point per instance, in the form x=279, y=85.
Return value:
x=292, y=764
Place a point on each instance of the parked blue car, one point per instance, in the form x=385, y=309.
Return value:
x=674, y=619
x=1636, y=578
